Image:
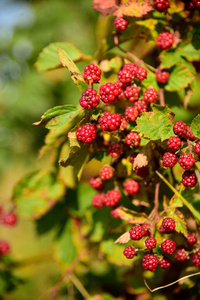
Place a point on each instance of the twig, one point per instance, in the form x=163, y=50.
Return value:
x=162, y=97
x=79, y=286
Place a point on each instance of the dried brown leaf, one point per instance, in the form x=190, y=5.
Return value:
x=105, y=7
x=140, y=161
x=124, y=238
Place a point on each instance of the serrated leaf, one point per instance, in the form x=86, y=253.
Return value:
x=189, y=51
x=133, y=8
x=169, y=58
x=150, y=81
x=156, y=125
x=195, y=126
x=130, y=216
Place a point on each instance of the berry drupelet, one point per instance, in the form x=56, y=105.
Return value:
x=137, y=232
x=168, y=224
x=165, y=40
x=162, y=76
x=150, y=262
x=133, y=139
x=174, y=143
x=189, y=179
x=131, y=187
x=92, y=74
x=180, y=128
x=110, y=121
x=161, y=5
x=86, y=133
x=186, y=161
x=112, y=198
x=150, y=242
x=168, y=246
x=129, y=252
x=121, y=23
x=89, y=99
x=150, y=95
x=169, y=159
x=106, y=173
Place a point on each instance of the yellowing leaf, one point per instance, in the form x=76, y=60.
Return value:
x=133, y=8
x=104, y=7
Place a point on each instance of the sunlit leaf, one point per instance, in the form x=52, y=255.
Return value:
x=133, y=8
x=195, y=126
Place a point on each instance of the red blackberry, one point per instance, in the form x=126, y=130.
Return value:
x=146, y=227
x=168, y=224
x=115, y=213
x=129, y=252
x=137, y=232
x=165, y=263
x=161, y=5
x=89, y=99
x=121, y=23
x=150, y=95
x=168, y=246
x=191, y=239
x=98, y=200
x=186, y=161
x=92, y=74
x=9, y=219
x=86, y=133
x=174, y=143
x=196, y=3
x=109, y=92
x=131, y=187
x=4, y=247
x=150, y=262
x=141, y=73
x=142, y=172
x=124, y=123
x=110, y=121
x=190, y=135
x=125, y=75
x=180, y=128
x=165, y=40
x=180, y=255
x=115, y=150
x=197, y=148
x=106, y=173
x=1, y=210
x=189, y=179
x=132, y=157
x=140, y=105
x=162, y=76
x=169, y=159
x=150, y=242
x=112, y=198
x=162, y=229
x=96, y=183
x=131, y=113
x=131, y=93
x=133, y=139
x=196, y=259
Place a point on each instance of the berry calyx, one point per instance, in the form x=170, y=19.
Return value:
x=121, y=23
x=174, y=143
x=168, y=246
x=129, y=252
x=133, y=139
x=150, y=262
x=191, y=239
x=137, y=232
x=131, y=187
x=131, y=113
x=91, y=74
x=186, y=161
x=169, y=159
x=150, y=95
x=96, y=183
x=86, y=133
x=106, y=173
x=112, y=197
x=161, y=5
x=189, y=179
x=109, y=92
x=165, y=40
x=162, y=76
x=110, y=121
x=196, y=259
x=180, y=128
x=150, y=242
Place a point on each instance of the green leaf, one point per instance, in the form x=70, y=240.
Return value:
x=189, y=51
x=195, y=126
x=75, y=72
x=48, y=58
x=178, y=217
x=169, y=58
x=156, y=125
x=37, y=193
x=150, y=81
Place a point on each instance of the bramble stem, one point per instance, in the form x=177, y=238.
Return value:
x=162, y=97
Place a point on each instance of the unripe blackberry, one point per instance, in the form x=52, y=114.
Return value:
x=169, y=159
x=86, y=133
x=9, y=219
x=142, y=172
x=115, y=150
x=141, y=73
x=186, y=161
x=131, y=93
x=96, y=183
x=162, y=76
x=1, y=210
x=137, y=232
x=191, y=239
x=161, y=5
x=165, y=263
x=120, y=86
x=150, y=95
x=196, y=3
x=115, y=213
x=89, y=99
x=121, y=23
x=150, y=262
x=106, y=173
x=92, y=74
x=110, y=121
x=132, y=187
x=180, y=255
x=124, y=123
x=146, y=227
x=150, y=242
x=140, y=105
x=180, y=128
x=197, y=148
x=196, y=259
x=133, y=139
x=4, y=247
x=129, y=252
x=131, y=113
x=168, y=246
x=174, y=143
x=190, y=135
x=109, y=92
x=112, y=198
x=165, y=40
x=189, y=179
x=168, y=224
x=125, y=75
x=98, y=200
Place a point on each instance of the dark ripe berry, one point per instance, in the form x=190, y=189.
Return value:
x=96, y=183
x=129, y=252
x=150, y=262
x=196, y=3
x=189, y=5
x=9, y=219
x=191, y=239
x=109, y=92
x=140, y=105
x=92, y=74
x=142, y=172
x=150, y=95
x=114, y=212
x=133, y=139
x=169, y=159
x=98, y=200
x=165, y=263
x=197, y=148
x=168, y=224
x=161, y=5
x=189, y=179
x=196, y=259
x=4, y=247
x=174, y=143
x=180, y=255
x=190, y=135
x=180, y=128
x=137, y=232
x=112, y=198
x=132, y=187
x=141, y=73
x=131, y=93
x=121, y=23
x=165, y=40
x=131, y=113
x=89, y=99
x=86, y=133
x=168, y=246
x=110, y=121
x=132, y=157
x=106, y=173
x=186, y=161
x=115, y=150
x=124, y=123
x=162, y=76
x=150, y=242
